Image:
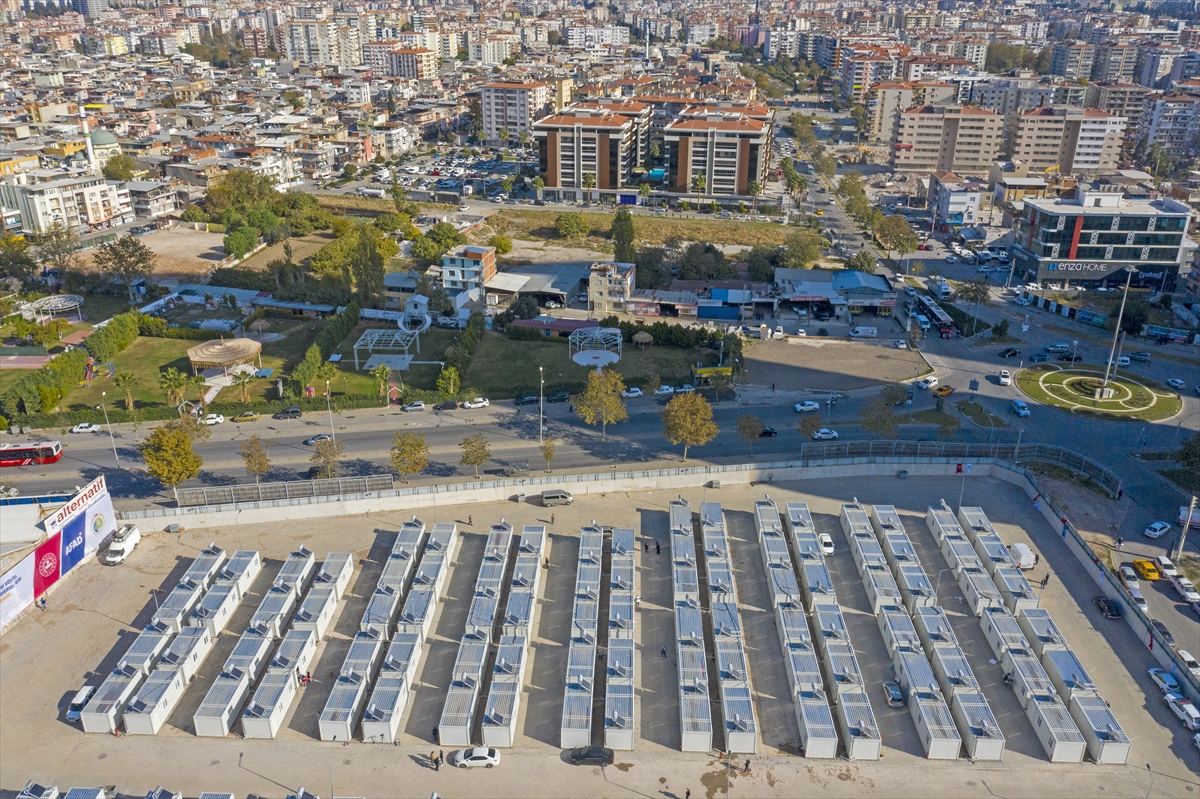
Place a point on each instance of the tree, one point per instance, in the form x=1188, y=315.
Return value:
x=877, y=418
x=242, y=382
x=862, y=261
x=410, y=454
x=58, y=249
x=895, y=234
x=802, y=249
x=125, y=381
x=749, y=429
x=503, y=244
x=399, y=193
x=572, y=225
x=894, y=394
x=173, y=383
x=366, y=265
x=254, y=456
x=1137, y=314
x=644, y=191
x=553, y=38
x=688, y=420
x=1189, y=453
x=948, y=425
x=448, y=381
x=972, y=292
x=622, y=232
x=476, y=451
x=835, y=131
x=326, y=456
x=851, y=184
x=589, y=183
x=699, y=184
x=120, y=167
x=1000, y=329
x=858, y=206
x=601, y=400
x=547, y=449
x=808, y=425
x=15, y=258
x=382, y=375
x=859, y=115
x=524, y=308
x=169, y=456
x=502, y=134
x=754, y=189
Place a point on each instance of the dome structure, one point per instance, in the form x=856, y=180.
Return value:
x=102, y=138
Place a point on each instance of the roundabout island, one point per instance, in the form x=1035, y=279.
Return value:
x=1078, y=389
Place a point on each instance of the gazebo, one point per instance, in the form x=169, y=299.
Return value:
x=223, y=354
x=642, y=339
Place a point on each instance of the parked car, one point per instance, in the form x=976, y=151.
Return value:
x=892, y=694
x=318, y=438
x=631, y=393
x=927, y=383
x=1189, y=662
x=1186, y=590
x=901, y=344
x=806, y=406
x=664, y=391
x=826, y=542
x=245, y=416
x=943, y=391
x=1184, y=710
x=526, y=399
x=1039, y=357
x=414, y=407
x=1146, y=570
x=1157, y=530
x=448, y=405
x=1011, y=352
x=1005, y=377
x=1107, y=607
x=213, y=418
x=86, y=427
x=1136, y=595
x=768, y=432
x=79, y=702
x=1128, y=577
x=1070, y=358
x=478, y=402
x=1020, y=408
x=293, y=412
x=124, y=541
x=475, y=757
x=1164, y=680
x=685, y=389
x=1165, y=567
x=559, y=396
x=1164, y=632
x=592, y=756
x=825, y=434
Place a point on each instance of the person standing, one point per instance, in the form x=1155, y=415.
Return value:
x=747, y=769
x=657, y=548
x=436, y=739
x=433, y=760
x=552, y=517
x=646, y=546
x=663, y=653
x=687, y=794
x=441, y=757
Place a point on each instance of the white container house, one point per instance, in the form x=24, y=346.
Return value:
x=1067, y=673
x=187, y=652
x=1106, y=741
x=382, y=610
x=317, y=609
x=741, y=728
x=818, y=735
x=222, y=705
x=336, y=571
x=213, y=611
x=155, y=700
x=174, y=611
x=297, y=571
x=344, y=706
x=240, y=571
x=1055, y=729
x=295, y=653
x=981, y=735
x=934, y=627
x=935, y=725
x=979, y=590
x=106, y=708
x=915, y=589
x=263, y=717
x=1015, y=591
x=1040, y=630
x=364, y=656
x=859, y=728
x=275, y=611
x=203, y=570
x=385, y=708
x=1002, y=631
x=417, y=616
x=147, y=648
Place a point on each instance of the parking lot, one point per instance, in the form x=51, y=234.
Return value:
x=91, y=620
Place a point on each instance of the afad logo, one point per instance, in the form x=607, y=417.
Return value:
x=98, y=523
x=48, y=565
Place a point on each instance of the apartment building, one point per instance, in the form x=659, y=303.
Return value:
x=1064, y=138
x=103, y=45
x=151, y=198
x=640, y=113
x=597, y=36
x=954, y=201
x=728, y=150
x=468, y=267
x=490, y=51
x=1126, y=100
x=1095, y=237
x=610, y=285
x=322, y=42
x=860, y=72
x=512, y=107
x=376, y=55
x=1173, y=122
x=964, y=139
x=80, y=204
x=413, y=63
x=885, y=101
x=1156, y=65
x=580, y=142
x=1073, y=60
x=1114, y=62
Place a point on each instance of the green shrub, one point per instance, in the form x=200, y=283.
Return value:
x=106, y=342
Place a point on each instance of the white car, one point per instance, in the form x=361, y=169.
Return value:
x=1184, y=710
x=1165, y=681
x=86, y=427
x=475, y=757
x=1165, y=567
x=478, y=402
x=901, y=345
x=1189, y=662
x=414, y=406
x=631, y=393
x=950, y=259
x=317, y=439
x=1183, y=586
x=464, y=208
x=1175, y=382
x=213, y=418
x=927, y=383
x=1129, y=577
x=664, y=391
x=1157, y=530
x=684, y=389
x=826, y=542
x=1005, y=377
x=825, y=434
x=806, y=406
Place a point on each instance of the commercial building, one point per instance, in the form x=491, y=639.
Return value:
x=1095, y=237
x=581, y=142
x=1064, y=138
x=80, y=204
x=725, y=151
x=954, y=201
x=955, y=138
x=512, y=107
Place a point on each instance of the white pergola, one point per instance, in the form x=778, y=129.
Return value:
x=47, y=307
x=595, y=346
x=386, y=341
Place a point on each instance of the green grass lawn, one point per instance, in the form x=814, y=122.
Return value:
x=979, y=414
x=506, y=367
x=1186, y=479
x=1071, y=388
x=146, y=358
x=539, y=225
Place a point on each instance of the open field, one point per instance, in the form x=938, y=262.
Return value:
x=302, y=248
x=818, y=364
x=1072, y=388
x=183, y=254
x=372, y=205
x=93, y=617
x=539, y=225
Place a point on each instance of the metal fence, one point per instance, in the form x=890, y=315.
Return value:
x=815, y=454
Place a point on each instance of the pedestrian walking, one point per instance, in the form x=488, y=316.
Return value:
x=441, y=757
x=657, y=549
x=637, y=602
x=687, y=794
x=436, y=738
x=646, y=545
x=470, y=520
x=1120, y=544
x=663, y=653
x=1045, y=581
x=433, y=759
x=552, y=517
x=747, y=769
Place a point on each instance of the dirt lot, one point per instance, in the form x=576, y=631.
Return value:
x=823, y=364
x=301, y=248
x=182, y=254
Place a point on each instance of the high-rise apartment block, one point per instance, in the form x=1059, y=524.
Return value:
x=963, y=139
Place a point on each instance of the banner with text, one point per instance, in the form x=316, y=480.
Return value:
x=16, y=590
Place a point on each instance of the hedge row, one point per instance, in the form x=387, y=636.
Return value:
x=155, y=327
x=45, y=388
x=468, y=340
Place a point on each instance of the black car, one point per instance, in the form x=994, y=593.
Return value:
x=448, y=405
x=1070, y=358
x=559, y=396
x=289, y=413
x=1038, y=357
x=1010, y=352
x=591, y=756
x=1164, y=632
x=526, y=399
x=822, y=331
x=768, y=432
x=1110, y=609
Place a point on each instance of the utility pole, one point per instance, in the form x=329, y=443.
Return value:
x=1117, y=331
x=1184, y=529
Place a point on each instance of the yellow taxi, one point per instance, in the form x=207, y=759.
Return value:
x=820, y=212
x=1146, y=569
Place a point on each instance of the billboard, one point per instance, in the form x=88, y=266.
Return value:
x=84, y=522
x=46, y=564
x=16, y=590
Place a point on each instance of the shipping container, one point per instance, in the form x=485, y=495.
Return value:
x=621, y=616
x=409, y=538
x=147, y=648
x=1040, y=630
x=404, y=655
x=344, y=706
x=1106, y=741
x=818, y=585
x=263, y=717
x=443, y=540
x=105, y=709
x=974, y=522
x=187, y=652
x=935, y=724
x=1057, y=733
x=881, y=587
x=619, y=726
x=295, y=653
x=203, y=570
x=818, y=735
x=959, y=555
x=240, y=571
x=250, y=654
x=860, y=732
x=458, y=712
x=954, y=674
x=364, y=656
x=174, y=611
x=915, y=589
x=980, y=731
x=297, y=571
x=336, y=571
x=897, y=629
x=576, y=728
x=914, y=673
x=992, y=552
x=799, y=520
x=419, y=608
x=500, y=714
x=317, y=609
x=737, y=708
x=934, y=627
x=214, y=609
x=383, y=608
x=1002, y=631
x=695, y=718
x=1030, y=681
x=222, y=704
x=154, y=701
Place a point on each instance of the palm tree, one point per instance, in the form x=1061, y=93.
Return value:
x=196, y=382
x=589, y=183
x=125, y=380
x=242, y=381
x=538, y=184
x=173, y=383
x=523, y=138
x=754, y=189
x=644, y=191
x=699, y=184
x=503, y=135
x=383, y=374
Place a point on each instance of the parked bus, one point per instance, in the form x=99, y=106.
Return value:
x=30, y=454
x=938, y=318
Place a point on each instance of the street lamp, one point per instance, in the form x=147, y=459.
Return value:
x=111, y=440
x=1117, y=330
x=1075, y=352
x=329, y=407
x=541, y=411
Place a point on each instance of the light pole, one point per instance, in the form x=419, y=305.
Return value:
x=1117, y=330
x=329, y=407
x=1187, y=522
x=541, y=412
x=1017, y=453
x=938, y=584
x=1075, y=351
x=111, y=440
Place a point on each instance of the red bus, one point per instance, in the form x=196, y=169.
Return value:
x=30, y=454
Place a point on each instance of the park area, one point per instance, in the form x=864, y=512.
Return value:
x=1074, y=389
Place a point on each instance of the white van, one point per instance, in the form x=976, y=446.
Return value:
x=124, y=542
x=1059, y=348
x=1121, y=362
x=922, y=322
x=556, y=497
x=864, y=332
x=79, y=702
x=1023, y=556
